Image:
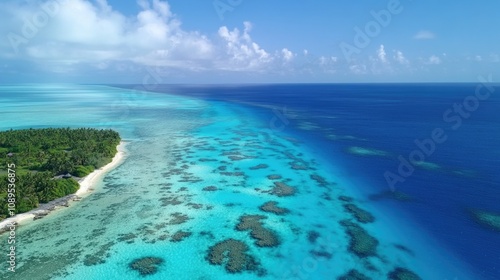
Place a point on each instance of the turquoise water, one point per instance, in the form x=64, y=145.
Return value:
x=177, y=146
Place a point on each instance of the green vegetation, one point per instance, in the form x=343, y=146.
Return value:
x=40, y=155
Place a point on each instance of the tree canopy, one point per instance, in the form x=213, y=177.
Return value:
x=40, y=155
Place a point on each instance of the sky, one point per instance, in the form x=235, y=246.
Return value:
x=243, y=41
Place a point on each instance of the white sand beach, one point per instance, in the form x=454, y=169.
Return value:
x=89, y=180
x=85, y=188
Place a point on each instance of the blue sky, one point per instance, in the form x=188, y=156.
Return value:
x=243, y=41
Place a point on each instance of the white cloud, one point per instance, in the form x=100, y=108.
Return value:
x=85, y=32
x=328, y=64
x=381, y=54
x=424, y=35
x=358, y=68
x=287, y=54
x=434, y=60
x=399, y=57
x=244, y=53
x=323, y=60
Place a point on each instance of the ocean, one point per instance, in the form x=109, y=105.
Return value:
x=286, y=181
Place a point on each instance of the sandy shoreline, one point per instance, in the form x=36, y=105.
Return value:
x=85, y=187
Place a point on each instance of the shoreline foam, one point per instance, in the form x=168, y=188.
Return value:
x=85, y=188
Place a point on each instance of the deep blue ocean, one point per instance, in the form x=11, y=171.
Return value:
x=383, y=121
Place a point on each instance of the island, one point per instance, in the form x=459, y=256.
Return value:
x=43, y=165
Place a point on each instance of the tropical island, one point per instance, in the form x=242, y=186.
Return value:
x=41, y=165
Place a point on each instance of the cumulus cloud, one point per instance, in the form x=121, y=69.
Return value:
x=434, y=60
x=424, y=35
x=287, y=54
x=358, y=69
x=382, y=56
x=399, y=57
x=328, y=64
x=244, y=53
x=92, y=32
x=323, y=60
x=80, y=31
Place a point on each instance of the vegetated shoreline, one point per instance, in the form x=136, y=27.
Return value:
x=85, y=187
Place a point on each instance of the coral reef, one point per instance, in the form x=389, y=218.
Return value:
x=353, y=275
x=146, y=266
x=361, y=215
x=233, y=254
x=282, y=189
x=274, y=177
x=264, y=237
x=180, y=235
x=345, y=198
x=312, y=235
x=401, y=273
x=129, y=237
x=178, y=218
x=487, y=219
x=361, y=243
x=322, y=181
x=210, y=188
x=166, y=201
x=360, y=151
x=271, y=206
x=259, y=166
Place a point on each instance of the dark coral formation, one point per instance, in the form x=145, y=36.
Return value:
x=239, y=157
x=487, y=219
x=236, y=174
x=180, y=235
x=91, y=260
x=263, y=236
x=353, y=274
x=195, y=205
x=232, y=253
x=361, y=243
x=259, y=166
x=361, y=215
x=404, y=249
x=166, y=201
x=274, y=177
x=271, y=206
x=401, y=273
x=282, y=189
x=299, y=167
x=178, y=218
x=312, y=235
x=366, y=152
x=345, y=198
x=146, y=266
x=210, y=188
x=322, y=181
x=321, y=254
x=129, y=237
x=98, y=257
x=207, y=159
